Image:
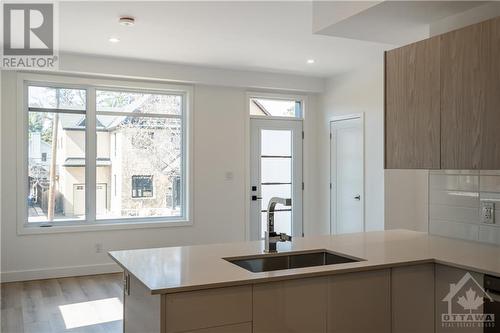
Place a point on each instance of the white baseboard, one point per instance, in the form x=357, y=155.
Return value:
x=59, y=272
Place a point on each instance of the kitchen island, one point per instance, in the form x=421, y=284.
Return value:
x=198, y=289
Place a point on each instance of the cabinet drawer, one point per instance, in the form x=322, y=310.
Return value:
x=359, y=302
x=208, y=308
x=236, y=328
x=412, y=293
x=445, y=277
x=290, y=306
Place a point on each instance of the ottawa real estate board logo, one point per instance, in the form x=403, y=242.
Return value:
x=465, y=305
x=29, y=36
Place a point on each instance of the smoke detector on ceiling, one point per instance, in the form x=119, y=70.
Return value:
x=127, y=21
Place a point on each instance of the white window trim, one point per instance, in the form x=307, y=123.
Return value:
x=90, y=223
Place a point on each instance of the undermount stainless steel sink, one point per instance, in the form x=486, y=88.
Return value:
x=267, y=262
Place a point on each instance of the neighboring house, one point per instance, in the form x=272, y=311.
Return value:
x=145, y=169
x=71, y=165
x=39, y=157
x=138, y=172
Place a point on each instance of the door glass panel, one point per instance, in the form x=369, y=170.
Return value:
x=281, y=221
x=276, y=107
x=276, y=170
x=276, y=143
x=276, y=176
x=269, y=191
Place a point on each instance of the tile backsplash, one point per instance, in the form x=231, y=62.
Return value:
x=455, y=198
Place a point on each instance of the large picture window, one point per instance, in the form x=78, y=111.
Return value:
x=137, y=161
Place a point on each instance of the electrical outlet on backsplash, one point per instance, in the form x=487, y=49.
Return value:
x=464, y=203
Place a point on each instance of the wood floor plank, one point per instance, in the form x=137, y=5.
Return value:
x=32, y=304
x=72, y=290
x=38, y=327
x=12, y=320
x=10, y=291
x=36, y=306
x=50, y=288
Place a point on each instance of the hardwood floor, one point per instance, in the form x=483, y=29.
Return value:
x=76, y=304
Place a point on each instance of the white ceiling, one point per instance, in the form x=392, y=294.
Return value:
x=264, y=36
x=393, y=22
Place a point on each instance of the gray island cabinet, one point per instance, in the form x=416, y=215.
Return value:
x=400, y=299
x=402, y=282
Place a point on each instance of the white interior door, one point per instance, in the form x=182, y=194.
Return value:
x=346, y=176
x=275, y=171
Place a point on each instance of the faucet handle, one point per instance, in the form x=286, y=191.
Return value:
x=284, y=237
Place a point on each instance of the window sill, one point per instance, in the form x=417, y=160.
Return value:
x=99, y=226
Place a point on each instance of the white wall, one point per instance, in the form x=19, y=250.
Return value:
x=355, y=92
x=471, y=16
x=154, y=70
x=219, y=136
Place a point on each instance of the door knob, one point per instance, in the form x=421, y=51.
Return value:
x=358, y=197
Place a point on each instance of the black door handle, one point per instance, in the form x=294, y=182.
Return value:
x=358, y=197
x=255, y=198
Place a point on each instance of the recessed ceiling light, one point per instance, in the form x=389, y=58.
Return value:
x=126, y=21
x=113, y=40
x=310, y=61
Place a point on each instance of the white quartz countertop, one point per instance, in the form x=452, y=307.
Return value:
x=185, y=268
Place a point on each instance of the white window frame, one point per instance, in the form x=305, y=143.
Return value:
x=90, y=223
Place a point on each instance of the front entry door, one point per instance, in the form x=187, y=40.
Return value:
x=276, y=171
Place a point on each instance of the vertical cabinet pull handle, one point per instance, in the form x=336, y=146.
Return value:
x=126, y=284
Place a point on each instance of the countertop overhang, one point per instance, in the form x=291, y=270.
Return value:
x=188, y=268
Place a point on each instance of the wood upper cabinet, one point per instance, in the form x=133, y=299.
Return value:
x=465, y=67
x=490, y=126
x=442, y=101
x=412, y=103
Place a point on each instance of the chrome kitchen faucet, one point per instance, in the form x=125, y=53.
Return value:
x=271, y=237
